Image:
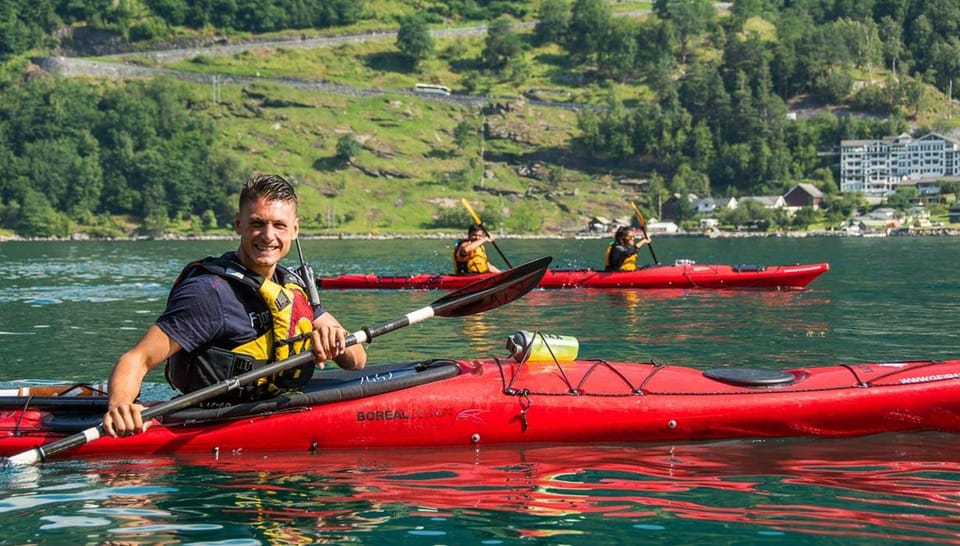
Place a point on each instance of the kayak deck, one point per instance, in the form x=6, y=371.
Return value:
x=495, y=401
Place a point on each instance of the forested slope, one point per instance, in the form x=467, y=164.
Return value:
x=671, y=98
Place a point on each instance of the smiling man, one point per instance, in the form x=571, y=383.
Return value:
x=231, y=314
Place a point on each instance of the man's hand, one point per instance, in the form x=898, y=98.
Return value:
x=124, y=420
x=329, y=342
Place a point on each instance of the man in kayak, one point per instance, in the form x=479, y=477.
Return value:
x=622, y=252
x=227, y=315
x=470, y=256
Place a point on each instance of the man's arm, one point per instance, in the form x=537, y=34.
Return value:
x=123, y=414
x=467, y=247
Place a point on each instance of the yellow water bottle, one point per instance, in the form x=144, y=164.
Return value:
x=527, y=346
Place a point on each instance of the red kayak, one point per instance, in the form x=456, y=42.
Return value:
x=682, y=275
x=497, y=401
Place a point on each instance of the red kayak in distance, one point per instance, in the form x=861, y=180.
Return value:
x=494, y=401
x=680, y=275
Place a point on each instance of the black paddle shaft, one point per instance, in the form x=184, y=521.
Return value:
x=643, y=228
x=649, y=245
x=479, y=222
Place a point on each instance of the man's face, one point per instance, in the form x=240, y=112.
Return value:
x=267, y=230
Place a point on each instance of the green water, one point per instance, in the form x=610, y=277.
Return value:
x=67, y=310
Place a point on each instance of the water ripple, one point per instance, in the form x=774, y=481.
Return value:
x=106, y=291
x=38, y=498
x=67, y=522
x=151, y=529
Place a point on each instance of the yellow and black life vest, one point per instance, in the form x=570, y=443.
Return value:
x=285, y=333
x=475, y=262
x=629, y=264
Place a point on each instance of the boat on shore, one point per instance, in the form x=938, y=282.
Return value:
x=683, y=274
x=518, y=401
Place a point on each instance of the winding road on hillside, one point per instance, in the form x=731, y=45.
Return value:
x=117, y=66
x=120, y=69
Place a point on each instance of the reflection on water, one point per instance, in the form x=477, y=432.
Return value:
x=71, y=498
x=892, y=488
x=699, y=328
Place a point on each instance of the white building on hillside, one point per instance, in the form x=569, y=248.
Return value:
x=877, y=167
x=768, y=201
x=709, y=206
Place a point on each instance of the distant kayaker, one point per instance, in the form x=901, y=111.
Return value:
x=227, y=315
x=622, y=252
x=470, y=256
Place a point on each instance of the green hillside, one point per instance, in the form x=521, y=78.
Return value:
x=410, y=170
x=560, y=111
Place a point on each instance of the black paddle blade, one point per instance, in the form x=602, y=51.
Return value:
x=492, y=292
